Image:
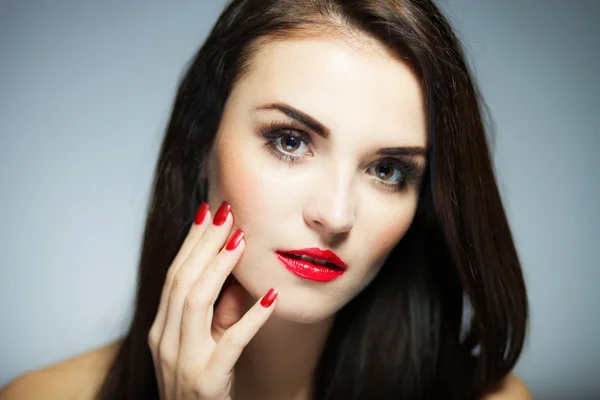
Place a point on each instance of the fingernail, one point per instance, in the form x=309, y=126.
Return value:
x=201, y=213
x=235, y=240
x=221, y=214
x=269, y=298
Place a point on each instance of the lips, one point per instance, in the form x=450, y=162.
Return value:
x=313, y=264
x=317, y=256
x=323, y=263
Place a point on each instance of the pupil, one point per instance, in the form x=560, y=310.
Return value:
x=384, y=171
x=291, y=143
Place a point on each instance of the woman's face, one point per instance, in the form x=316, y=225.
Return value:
x=335, y=190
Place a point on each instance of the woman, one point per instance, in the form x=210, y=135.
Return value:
x=324, y=224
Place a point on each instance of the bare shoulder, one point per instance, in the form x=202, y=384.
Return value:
x=512, y=388
x=75, y=378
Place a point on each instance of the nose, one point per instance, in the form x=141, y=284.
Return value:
x=330, y=205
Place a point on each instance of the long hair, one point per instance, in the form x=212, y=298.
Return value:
x=446, y=316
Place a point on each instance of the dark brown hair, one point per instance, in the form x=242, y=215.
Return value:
x=408, y=334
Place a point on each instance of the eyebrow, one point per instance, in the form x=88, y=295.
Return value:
x=324, y=132
x=299, y=116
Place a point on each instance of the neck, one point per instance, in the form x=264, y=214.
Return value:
x=280, y=361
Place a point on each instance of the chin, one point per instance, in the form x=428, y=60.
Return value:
x=292, y=311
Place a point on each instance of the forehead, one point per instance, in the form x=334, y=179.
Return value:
x=351, y=87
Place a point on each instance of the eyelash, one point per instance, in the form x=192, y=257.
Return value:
x=408, y=169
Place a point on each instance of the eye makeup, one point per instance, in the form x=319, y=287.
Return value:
x=409, y=172
x=408, y=169
x=279, y=130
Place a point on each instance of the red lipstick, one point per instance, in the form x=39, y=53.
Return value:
x=313, y=263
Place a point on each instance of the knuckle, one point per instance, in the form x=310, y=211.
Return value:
x=205, y=388
x=178, y=282
x=190, y=304
x=200, y=391
x=184, y=377
x=169, y=361
x=153, y=338
x=171, y=273
x=196, y=383
x=194, y=301
x=167, y=358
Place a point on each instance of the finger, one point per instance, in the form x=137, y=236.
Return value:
x=197, y=229
x=158, y=373
x=195, y=264
x=198, y=309
x=235, y=339
x=201, y=222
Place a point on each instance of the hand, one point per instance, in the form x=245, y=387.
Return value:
x=194, y=351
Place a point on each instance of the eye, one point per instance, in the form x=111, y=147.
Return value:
x=387, y=172
x=290, y=143
x=395, y=174
x=286, y=143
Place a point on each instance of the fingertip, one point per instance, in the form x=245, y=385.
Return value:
x=235, y=240
x=269, y=298
x=201, y=214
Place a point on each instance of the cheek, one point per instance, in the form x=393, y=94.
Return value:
x=386, y=231
x=258, y=192
x=238, y=183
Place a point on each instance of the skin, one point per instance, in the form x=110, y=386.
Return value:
x=367, y=100
x=331, y=199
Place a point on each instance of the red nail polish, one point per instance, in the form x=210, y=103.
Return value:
x=201, y=213
x=269, y=298
x=235, y=240
x=221, y=214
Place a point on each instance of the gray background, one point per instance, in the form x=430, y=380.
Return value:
x=86, y=90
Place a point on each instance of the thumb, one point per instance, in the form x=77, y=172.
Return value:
x=229, y=310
